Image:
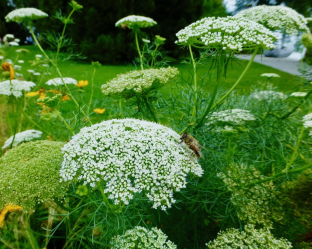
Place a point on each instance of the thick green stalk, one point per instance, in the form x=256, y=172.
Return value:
x=62, y=36
x=65, y=123
x=210, y=108
x=293, y=157
x=150, y=108
x=195, y=83
x=237, y=82
x=92, y=83
x=58, y=71
x=138, y=48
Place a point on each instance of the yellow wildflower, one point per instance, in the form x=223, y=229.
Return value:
x=11, y=73
x=32, y=94
x=65, y=97
x=5, y=210
x=99, y=111
x=85, y=119
x=82, y=83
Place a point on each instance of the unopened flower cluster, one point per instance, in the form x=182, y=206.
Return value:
x=21, y=137
x=61, y=81
x=139, y=80
x=31, y=174
x=228, y=33
x=256, y=204
x=249, y=238
x=276, y=18
x=268, y=95
x=24, y=15
x=136, y=22
x=15, y=87
x=140, y=237
x=230, y=120
x=129, y=156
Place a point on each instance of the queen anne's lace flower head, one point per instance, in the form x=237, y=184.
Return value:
x=133, y=22
x=13, y=43
x=227, y=33
x=130, y=156
x=229, y=120
x=268, y=95
x=270, y=75
x=60, y=81
x=249, y=238
x=307, y=120
x=31, y=173
x=298, y=94
x=25, y=15
x=21, y=137
x=139, y=80
x=15, y=87
x=276, y=18
x=140, y=237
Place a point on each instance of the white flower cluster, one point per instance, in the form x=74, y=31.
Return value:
x=140, y=237
x=21, y=137
x=276, y=18
x=13, y=43
x=139, y=80
x=227, y=33
x=136, y=22
x=25, y=15
x=15, y=87
x=298, y=94
x=270, y=75
x=129, y=156
x=224, y=121
x=307, y=120
x=249, y=238
x=268, y=95
x=60, y=81
x=256, y=204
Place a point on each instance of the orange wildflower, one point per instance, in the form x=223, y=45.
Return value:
x=82, y=83
x=99, y=111
x=5, y=210
x=45, y=109
x=5, y=66
x=11, y=73
x=65, y=97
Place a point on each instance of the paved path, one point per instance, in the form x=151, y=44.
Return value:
x=288, y=64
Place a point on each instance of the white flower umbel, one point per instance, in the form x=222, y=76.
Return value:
x=226, y=33
x=298, y=94
x=140, y=237
x=8, y=36
x=13, y=43
x=276, y=18
x=307, y=120
x=59, y=81
x=15, y=87
x=268, y=95
x=38, y=55
x=136, y=22
x=25, y=15
x=20, y=61
x=17, y=67
x=139, y=80
x=249, y=238
x=270, y=75
x=129, y=156
x=21, y=137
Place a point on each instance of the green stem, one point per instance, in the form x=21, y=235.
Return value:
x=62, y=36
x=103, y=195
x=138, y=48
x=195, y=83
x=293, y=157
x=278, y=175
x=150, y=108
x=92, y=83
x=34, y=123
x=65, y=123
x=237, y=82
x=29, y=234
x=153, y=55
x=58, y=71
